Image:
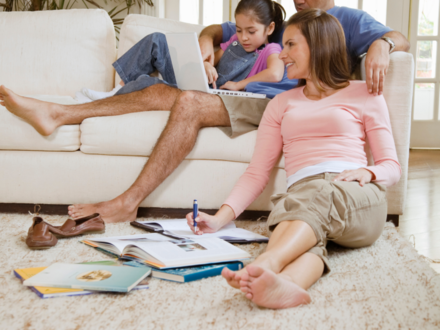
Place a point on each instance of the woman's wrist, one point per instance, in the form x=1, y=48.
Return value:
x=225, y=215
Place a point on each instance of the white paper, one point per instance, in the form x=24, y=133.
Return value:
x=179, y=227
x=120, y=242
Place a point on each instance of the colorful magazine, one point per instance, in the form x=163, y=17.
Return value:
x=89, y=277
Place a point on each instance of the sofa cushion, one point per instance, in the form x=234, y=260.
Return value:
x=16, y=134
x=136, y=134
x=57, y=52
x=135, y=27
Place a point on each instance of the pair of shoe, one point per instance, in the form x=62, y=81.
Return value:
x=42, y=235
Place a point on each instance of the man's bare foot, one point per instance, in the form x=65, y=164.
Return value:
x=233, y=278
x=267, y=289
x=111, y=211
x=41, y=115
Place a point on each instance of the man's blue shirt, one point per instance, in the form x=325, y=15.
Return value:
x=360, y=29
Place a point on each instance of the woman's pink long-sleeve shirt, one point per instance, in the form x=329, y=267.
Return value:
x=311, y=132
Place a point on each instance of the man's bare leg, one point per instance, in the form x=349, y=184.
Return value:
x=45, y=117
x=279, y=277
x=191, y=112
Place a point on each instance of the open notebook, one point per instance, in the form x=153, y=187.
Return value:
x=164, y=252
x=178, y=228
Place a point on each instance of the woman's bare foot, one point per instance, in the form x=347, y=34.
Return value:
x=111, y=211
x=267, y=289
x=41, y=115
x=233, y=278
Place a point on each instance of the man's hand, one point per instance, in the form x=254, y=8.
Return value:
x=207, y=49
x=378, y=60
x=361, y=175
x=376, y=66
x=211, y=73
x=233, y=86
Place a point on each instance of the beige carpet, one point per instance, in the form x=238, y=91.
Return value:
x=385, y=286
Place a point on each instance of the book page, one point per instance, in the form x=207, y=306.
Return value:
x=187, y=252
x=120, y=242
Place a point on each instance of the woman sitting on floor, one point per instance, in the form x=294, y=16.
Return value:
x=332, y=194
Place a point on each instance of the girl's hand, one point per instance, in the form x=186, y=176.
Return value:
x=362, y=175
x=211, y=73
x=205, y=223
x=232, y=86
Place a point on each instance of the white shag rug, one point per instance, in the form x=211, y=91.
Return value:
x=385, y=286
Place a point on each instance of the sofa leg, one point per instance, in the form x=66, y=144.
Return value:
x=394, y=218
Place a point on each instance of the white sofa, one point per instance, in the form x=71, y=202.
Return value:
x=51, y=55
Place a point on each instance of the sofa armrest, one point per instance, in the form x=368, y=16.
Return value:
x=398, y=93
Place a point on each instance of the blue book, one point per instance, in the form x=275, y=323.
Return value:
x=93, y=277
x=189, y=274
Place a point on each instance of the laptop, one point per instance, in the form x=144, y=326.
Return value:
x=189, y=69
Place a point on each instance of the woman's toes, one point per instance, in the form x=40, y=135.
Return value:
x=249, y=295
x=244, y=283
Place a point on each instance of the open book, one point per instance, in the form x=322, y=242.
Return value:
x=164, y=252
x=178, y=228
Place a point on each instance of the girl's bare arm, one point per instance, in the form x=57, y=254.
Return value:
x=273, y=73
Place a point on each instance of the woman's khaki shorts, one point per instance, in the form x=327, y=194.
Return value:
x=245, y=114
x=343, y=212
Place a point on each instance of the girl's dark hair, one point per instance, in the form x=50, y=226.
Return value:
x=326, y=40
x=266, y=11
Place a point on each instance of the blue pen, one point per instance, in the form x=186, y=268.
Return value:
x=195, y=213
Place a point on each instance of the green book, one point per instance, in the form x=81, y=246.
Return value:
x=94, y=277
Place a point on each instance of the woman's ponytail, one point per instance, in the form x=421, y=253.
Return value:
x=265, y=12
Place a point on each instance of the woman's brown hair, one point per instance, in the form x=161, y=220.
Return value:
x=326, y=40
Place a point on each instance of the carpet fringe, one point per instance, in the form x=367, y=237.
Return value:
x=433, y=261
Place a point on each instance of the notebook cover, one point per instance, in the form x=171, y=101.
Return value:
x=48, y=292
x=89, y=277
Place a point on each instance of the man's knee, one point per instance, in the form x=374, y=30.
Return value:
x=188, y=104
x=154, y=37
x=200, y=109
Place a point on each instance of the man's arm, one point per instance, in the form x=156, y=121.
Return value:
x=378, y=60
x=210, y=37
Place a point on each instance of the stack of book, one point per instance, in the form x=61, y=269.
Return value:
x=59, y=280
x=171, y=253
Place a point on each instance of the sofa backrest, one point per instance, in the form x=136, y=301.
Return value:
x=135, y=27
x=57, y=52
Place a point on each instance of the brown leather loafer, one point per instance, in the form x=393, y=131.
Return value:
x=39, y=237
x=92, y=224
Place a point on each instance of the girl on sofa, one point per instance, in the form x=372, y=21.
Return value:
x=321, y=126
x=245, y=58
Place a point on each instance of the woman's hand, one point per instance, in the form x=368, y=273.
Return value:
x=205, y=223
x=362, y=175
x=211, y=73
x=232, y=86
x=210, y=223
